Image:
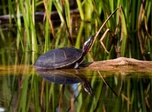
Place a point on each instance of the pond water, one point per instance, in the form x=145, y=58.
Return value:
x=25, y=89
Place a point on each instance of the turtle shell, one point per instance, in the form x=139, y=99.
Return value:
x=59, y=58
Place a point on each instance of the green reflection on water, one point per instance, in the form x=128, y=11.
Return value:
x=22, y=89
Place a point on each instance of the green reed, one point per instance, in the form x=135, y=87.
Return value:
x=47, y=25
x=123, y=25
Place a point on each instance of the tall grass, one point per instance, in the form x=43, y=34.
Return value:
x=127, y=26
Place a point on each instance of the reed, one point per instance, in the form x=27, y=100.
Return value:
x=124, y=25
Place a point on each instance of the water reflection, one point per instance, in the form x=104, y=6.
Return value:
x=66, y=76
x=2, y=109
x=21, y=89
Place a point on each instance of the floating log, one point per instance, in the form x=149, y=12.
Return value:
x=120, y=64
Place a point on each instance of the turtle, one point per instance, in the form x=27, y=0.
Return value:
x=64, y=57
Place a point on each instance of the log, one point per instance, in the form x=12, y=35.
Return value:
x=120, y=64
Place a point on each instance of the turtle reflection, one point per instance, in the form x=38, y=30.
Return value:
x=65, y=76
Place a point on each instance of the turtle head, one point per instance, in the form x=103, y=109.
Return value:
x=87, y=45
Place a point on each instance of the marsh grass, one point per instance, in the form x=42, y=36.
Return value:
x=129, y=36
x=124, y=25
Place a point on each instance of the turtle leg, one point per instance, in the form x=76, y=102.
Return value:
x=79, y=62
x=76, y=65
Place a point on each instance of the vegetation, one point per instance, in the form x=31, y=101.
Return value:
x=25, y=34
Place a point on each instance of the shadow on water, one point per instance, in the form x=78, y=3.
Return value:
x=24, y=88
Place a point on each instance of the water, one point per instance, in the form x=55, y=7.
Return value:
x=23, y=89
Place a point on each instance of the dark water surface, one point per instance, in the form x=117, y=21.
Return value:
x=24, y=89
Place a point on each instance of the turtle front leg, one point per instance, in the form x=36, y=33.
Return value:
x=76, y=65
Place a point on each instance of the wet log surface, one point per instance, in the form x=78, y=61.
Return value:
x=120, y=64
